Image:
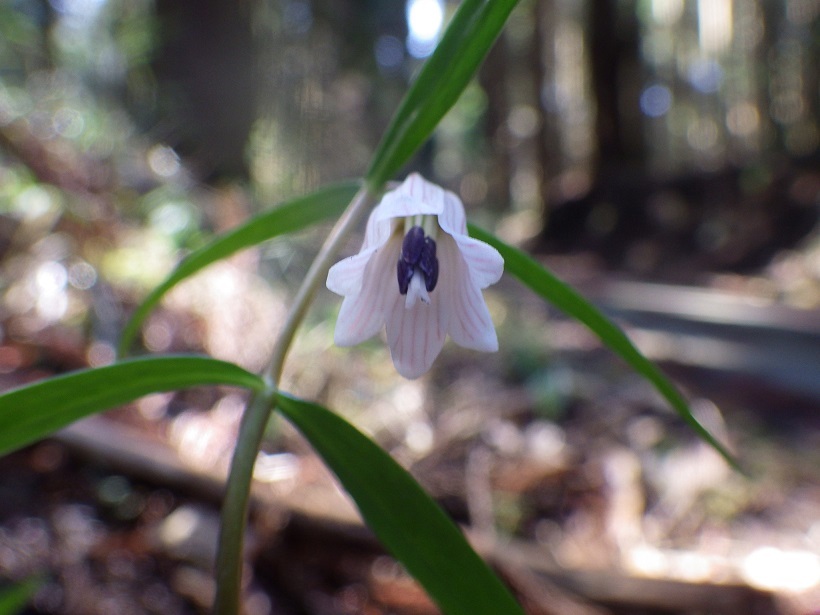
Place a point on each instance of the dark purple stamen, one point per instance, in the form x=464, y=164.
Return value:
x=417, y=253
x=428, y=263
x=412, y=245
x=405, y=274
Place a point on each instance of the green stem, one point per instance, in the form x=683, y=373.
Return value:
x=361, y=204
x=235, y=505
x=257, y=413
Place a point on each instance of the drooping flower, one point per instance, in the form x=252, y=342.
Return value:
x=418, y=275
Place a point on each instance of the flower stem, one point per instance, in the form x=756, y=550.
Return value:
x=235, y=506
x=258, y=411
x=361, y=203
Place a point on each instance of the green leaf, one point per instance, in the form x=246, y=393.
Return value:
x=34, y=411
x=402, y=515
x=291, y=216
x=562, y=296
x=14, y=599
x=472, y=31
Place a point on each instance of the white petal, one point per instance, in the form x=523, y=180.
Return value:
x=416, y=335
x=414, y=196
x=363, y=314
x=484, y=262
x=378, y=231
x=345, y=277
x=453, y=220
x=418, y=188
x=469, y=321
x=356, y=322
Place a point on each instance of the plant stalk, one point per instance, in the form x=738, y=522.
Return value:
x=252, y=427
x=361, y=203
x=235, y=506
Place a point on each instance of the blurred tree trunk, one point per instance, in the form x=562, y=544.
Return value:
x=207, y=70
x=543, y=60
x=613, y=42
x=492, y=81
x=513, y=77
x=605, y=65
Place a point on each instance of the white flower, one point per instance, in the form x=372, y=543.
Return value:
x=418, y=275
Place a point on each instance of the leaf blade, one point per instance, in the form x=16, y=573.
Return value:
x=469, y=36
x=64, y=399
x=288, y=217
x=533, y=275
x=402, y=515
x=14, y=599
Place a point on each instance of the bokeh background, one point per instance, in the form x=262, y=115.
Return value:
x=660, y=155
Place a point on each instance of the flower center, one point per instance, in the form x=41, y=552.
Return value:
x=418, y=255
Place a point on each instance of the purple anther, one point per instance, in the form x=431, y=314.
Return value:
x=412, y=246
x=418, y=253
x=404, y=272
x=428, y=263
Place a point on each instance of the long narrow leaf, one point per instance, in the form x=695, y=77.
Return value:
x=291, y=216
x=562, y=296
x=472, y=31
x=402, y=515
x=37, y=410
x=14, y=599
